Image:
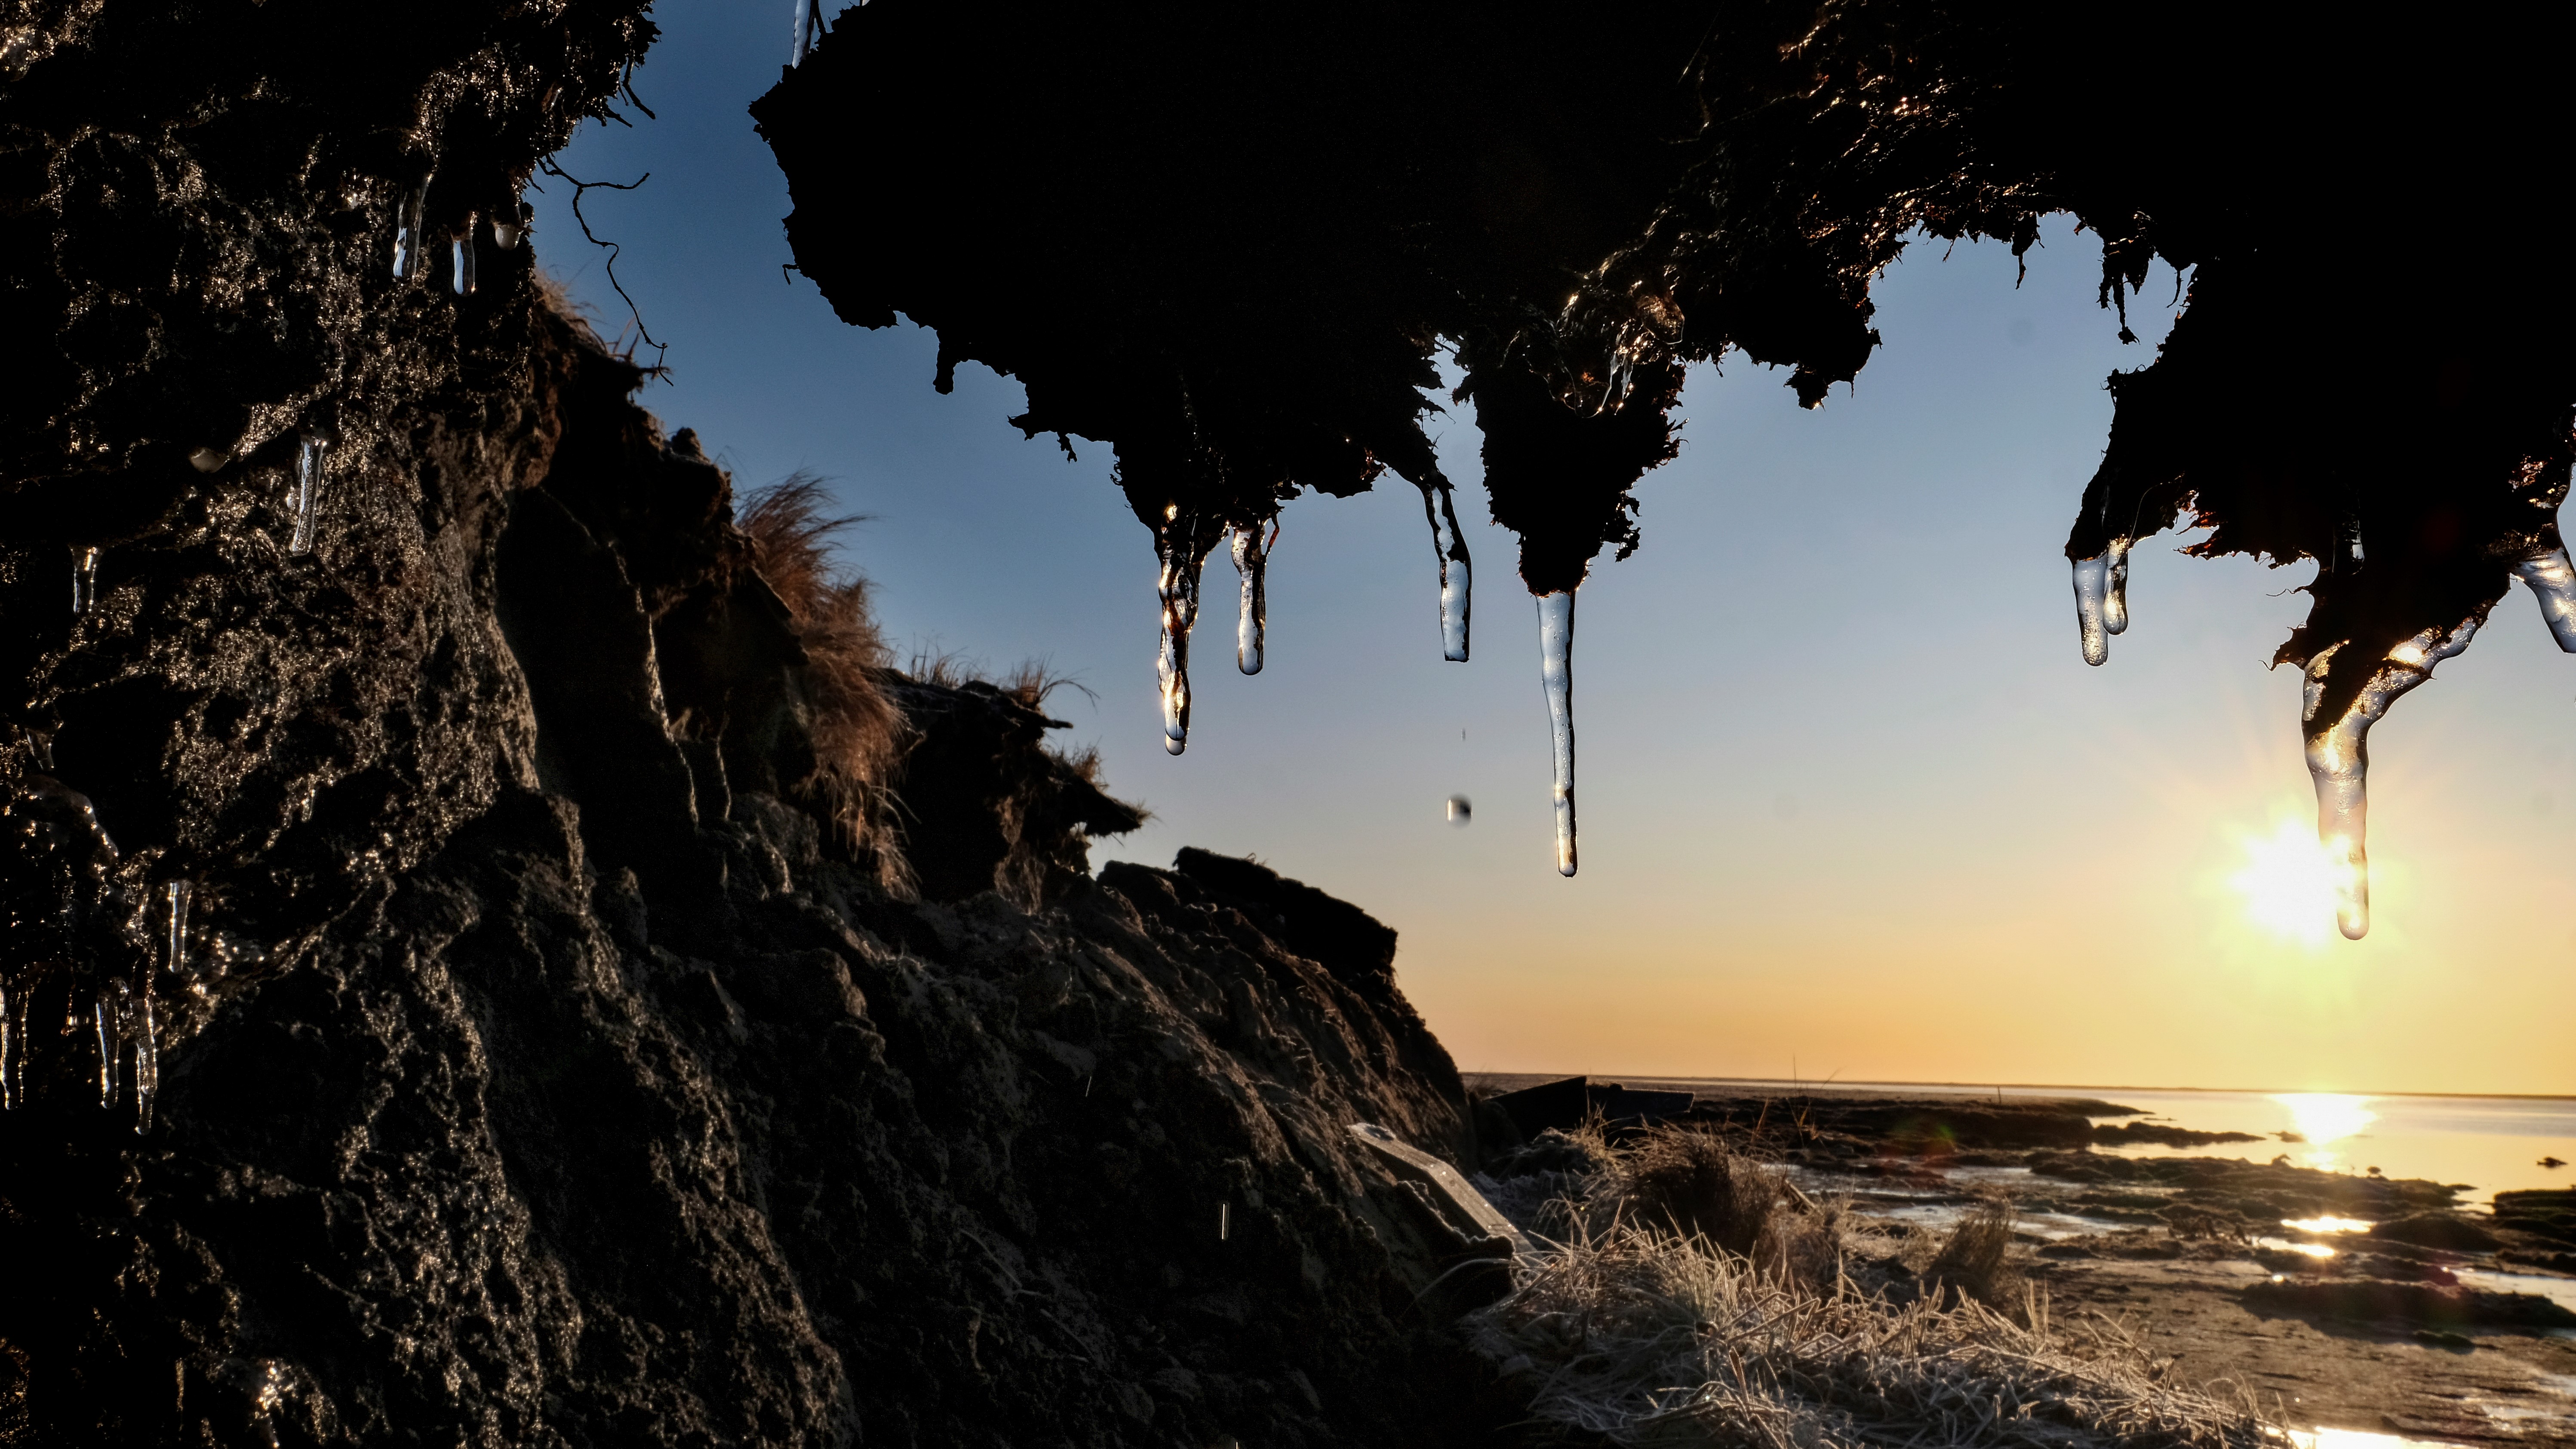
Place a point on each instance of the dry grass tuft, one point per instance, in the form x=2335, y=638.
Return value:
x=1974, y=1261
x=1645, y=1337
x=857, y=731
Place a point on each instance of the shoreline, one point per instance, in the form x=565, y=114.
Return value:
x=1498, y=1081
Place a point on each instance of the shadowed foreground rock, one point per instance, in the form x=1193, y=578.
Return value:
x=535, y=1050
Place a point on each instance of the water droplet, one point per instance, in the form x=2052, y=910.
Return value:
x=1461, y=810
x=1451, y=548
x=84, y=580
x=1556, y=676
x=2092, y=586
x=1252, y=560
x=2553, y=583
x=2338, y=755
x=312, y=459
x=207, y=460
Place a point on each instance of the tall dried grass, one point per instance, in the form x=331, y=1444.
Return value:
x=1645, y=1337
x=858, y=733
x=1696, y=1299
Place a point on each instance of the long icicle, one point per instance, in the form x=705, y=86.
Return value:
x=2338, y=754
x=1252, y=561
x=2092, y=595
x=1556, y=676
x=1456, y=592
x=2115, y=602
x=84, y=579
x=1178, y=551
x=2553, y=583
x=312, y=460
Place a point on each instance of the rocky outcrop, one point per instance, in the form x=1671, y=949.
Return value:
x=445, y=1001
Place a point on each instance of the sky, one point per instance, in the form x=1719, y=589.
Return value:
x=1852, y=804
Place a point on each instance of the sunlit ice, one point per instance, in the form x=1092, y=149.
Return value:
x=2290, y=881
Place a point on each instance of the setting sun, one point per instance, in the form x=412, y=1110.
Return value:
x=2289, y=883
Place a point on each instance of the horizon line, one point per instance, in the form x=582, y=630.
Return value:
x=2038, y=1086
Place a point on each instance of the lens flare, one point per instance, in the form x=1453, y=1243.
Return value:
x=2289, y=883
x=2326, y=1119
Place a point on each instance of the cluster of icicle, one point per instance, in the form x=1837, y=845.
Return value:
x=1180, y=554
x=121, y=1012
x=2338, y=748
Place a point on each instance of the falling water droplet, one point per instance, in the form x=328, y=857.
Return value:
x=84, y=579
x=1451, y=547
x=312, y=459
x=411, y=255
x=2338, y=755
x=2092, y=586
x=1461, y=810
x=2115, y=602
x=2553, y=583
x=461, y=254
x=1181, y=555
x=1252, y=561
x=1556, y=676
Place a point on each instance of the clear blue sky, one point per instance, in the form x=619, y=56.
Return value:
x=1849, y=793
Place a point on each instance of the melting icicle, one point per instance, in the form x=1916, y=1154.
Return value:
x=111, y=1043
x=2092, y=591
x=2553, y=583
x=809, y=30
x=84, y=580
x=505, y=234
x=461, y=254
x=1451, y=546
x=1177, y=584
x=1556, y=675
x=311, y=459
x=2339, y=759
x=1252, y=561
x=411, y=252
x=2115, y=603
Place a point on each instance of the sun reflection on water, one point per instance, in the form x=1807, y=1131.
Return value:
x=2325, y=1119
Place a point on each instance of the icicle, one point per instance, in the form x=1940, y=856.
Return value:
x=1252, y=561
x=809, y=30
x=461, y=255
x=111, y=1044
x=2092, y=589
x=1556, y=675
x=147, y=1044
x=505, y=234
x=1451, y=547
x=311, y=460
x=2553, y=583
x=2115, y=603
x=2339, y=759
x=1177, y=584
x=411, y=253
x=84, y=580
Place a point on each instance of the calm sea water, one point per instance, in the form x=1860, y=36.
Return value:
x=2490, y=1144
